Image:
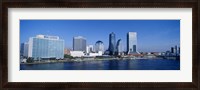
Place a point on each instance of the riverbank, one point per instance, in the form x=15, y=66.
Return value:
x=70, y=60
x=87, y=59
x=136, y=64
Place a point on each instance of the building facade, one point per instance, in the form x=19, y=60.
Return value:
x=131, y=42
x=112, y=44
x=77, y=53
x=79, y=44
x=46, y=47
x=90, y=49
x=99, y=47
x=21, y=49
x=24, y=49
x=119, y=47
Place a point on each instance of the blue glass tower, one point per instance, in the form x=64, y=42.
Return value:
x=46, y=47
x=119, y=47
x=132, y=43
x=112, y=44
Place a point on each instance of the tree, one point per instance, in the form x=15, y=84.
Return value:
x=68, y=56
x=30, y=60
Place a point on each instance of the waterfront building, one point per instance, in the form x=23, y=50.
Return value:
x=46, y=47
x=77, y=53
x=176, y=50
x=119, y=47
x=99, y=47
x=107, y=52
x=21, y=49
x=100, y=53
x=90, y=49
x=79, y=43
x=112, y=44
x=172, y=49
x=132, y=43
x=24, y=49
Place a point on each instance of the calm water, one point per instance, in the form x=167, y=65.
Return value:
x=108, y=65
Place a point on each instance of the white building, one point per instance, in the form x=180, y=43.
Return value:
x=46, y=47
x=89, y=49
x=100, y=53
x=76, y=53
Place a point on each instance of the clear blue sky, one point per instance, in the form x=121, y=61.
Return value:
x=153, y=35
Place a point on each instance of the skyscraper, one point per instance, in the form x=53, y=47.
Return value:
x=172, y=49
x=24, y=49
x=21, y=49
x=99, y=47
x=176, y=49
x=131, y=42
x=119, y=47
x=46, y=47
x=79, y=44
x=112, y=44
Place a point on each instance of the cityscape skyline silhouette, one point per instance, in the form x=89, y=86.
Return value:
x=153, y=35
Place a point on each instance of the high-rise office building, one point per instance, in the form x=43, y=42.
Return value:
x=172, y=49
x=24, y=49
x=46, y=47
x=176, y=49
x=21, y=49
x=131, y=42
x=79, y=44
x=119, y=47
x=112, y=44
x=99, y=46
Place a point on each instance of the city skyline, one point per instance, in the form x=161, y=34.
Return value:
x=153, y=37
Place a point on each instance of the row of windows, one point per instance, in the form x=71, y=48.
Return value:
x=47, y=48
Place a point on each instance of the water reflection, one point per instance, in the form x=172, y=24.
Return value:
x=108, y=65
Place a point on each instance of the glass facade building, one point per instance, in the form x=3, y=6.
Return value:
x=46, y=47
x=112, y=44
x=24, y=49
x=131, y=42
x=119, y=46
x=21, y=49
x=99, y=46
x=79, y=44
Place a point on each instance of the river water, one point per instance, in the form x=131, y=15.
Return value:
x=140, y=64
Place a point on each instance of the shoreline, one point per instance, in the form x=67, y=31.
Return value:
x=72, y=60
x=93, y=59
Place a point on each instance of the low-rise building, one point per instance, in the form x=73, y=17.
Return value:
x=77, y=53
x=100, y=53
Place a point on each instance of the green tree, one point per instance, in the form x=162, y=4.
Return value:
x=68, y=56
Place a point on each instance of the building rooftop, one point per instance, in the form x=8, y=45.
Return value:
x=79, y=37
x=47, y=37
